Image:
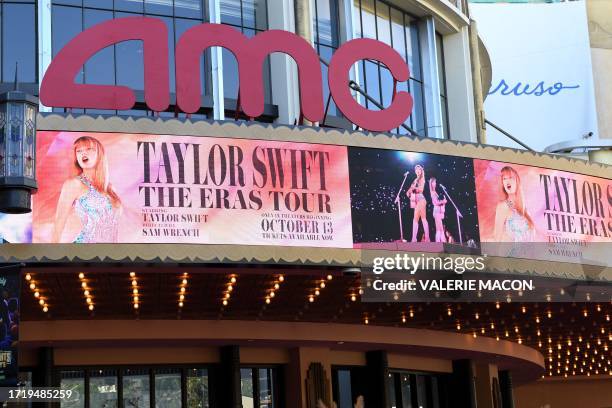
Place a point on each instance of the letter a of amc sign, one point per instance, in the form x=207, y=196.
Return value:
x=58, y=88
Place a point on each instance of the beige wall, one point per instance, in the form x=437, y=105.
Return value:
x=600, y=32
x=583, y=392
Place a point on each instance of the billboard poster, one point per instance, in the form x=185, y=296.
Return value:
x=540, y=65
x=16, y=228
x=518, y=203
x=9, y=326
x=139, y=188
x=402, y=198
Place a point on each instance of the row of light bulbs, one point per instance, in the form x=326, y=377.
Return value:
x=36, y=291
x=227, y=293
x=321, y=284
x=87, y=292
x=135, y=291
x=271, y=293
x=182, y=290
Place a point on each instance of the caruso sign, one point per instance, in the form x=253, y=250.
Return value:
x=58, y=88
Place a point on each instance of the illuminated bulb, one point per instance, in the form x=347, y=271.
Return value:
x=585, y=313
x=366, y=321
x=449, y=311
x=135, y=305
x=403, y=319
x=28, y=277
x=180, y=304
x=317, y=293
x=322, y=285
x=83, y=284
x=520, y=341
x=36, y=294
x=81, y=275
x=132, y=274
x=497, y=338
x=598, y=308
x=507, y=334
x=45, y=309
x=182, y=297
x=267, y=301
x=224, y=302
x=524, y=309
x=134, y=283
x=41, y=302
x=233, y=279
x=492, y=326
x=32, y=286
x=477, y=316
x=411, y=313
x=276, y=286
x=353, y=298
x=475, y=335
x=184, y=281
x=227, y=295
x=281, y=278
x=482, y=330
x=88, y=300
x=91, y=307
x=537, y=319
x=135, y=291
x=497, y=305
x=329, y=277
x=272, y=294
x=549, y=314
x=183, y=290
x=230, y=288
x=86, y=292
x=311, y=298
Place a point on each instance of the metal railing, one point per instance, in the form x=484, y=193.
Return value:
x=355, y=87
x=508, y=135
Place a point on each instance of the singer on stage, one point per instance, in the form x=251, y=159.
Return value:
x=418, y=203
x=438, y=209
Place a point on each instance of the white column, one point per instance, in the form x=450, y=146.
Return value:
x=216, y=64
x=459, y=87
x=285, y=90
x=44, y=43
x=429, y=60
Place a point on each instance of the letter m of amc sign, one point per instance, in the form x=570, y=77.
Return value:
x=59, y=90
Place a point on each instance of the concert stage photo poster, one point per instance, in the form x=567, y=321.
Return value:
x=140, y=188
x=408, y=200
x=9, y=326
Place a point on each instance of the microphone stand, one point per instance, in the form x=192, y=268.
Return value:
x=459, y=215
x=399, y=210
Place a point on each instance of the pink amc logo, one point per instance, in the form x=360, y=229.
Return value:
x=59, y=90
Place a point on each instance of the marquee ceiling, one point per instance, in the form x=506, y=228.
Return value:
x=575, y=338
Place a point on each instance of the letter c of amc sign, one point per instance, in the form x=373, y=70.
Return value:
x=58, y=88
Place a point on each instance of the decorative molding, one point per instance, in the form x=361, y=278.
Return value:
x=243, y=254
x=303, y=134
